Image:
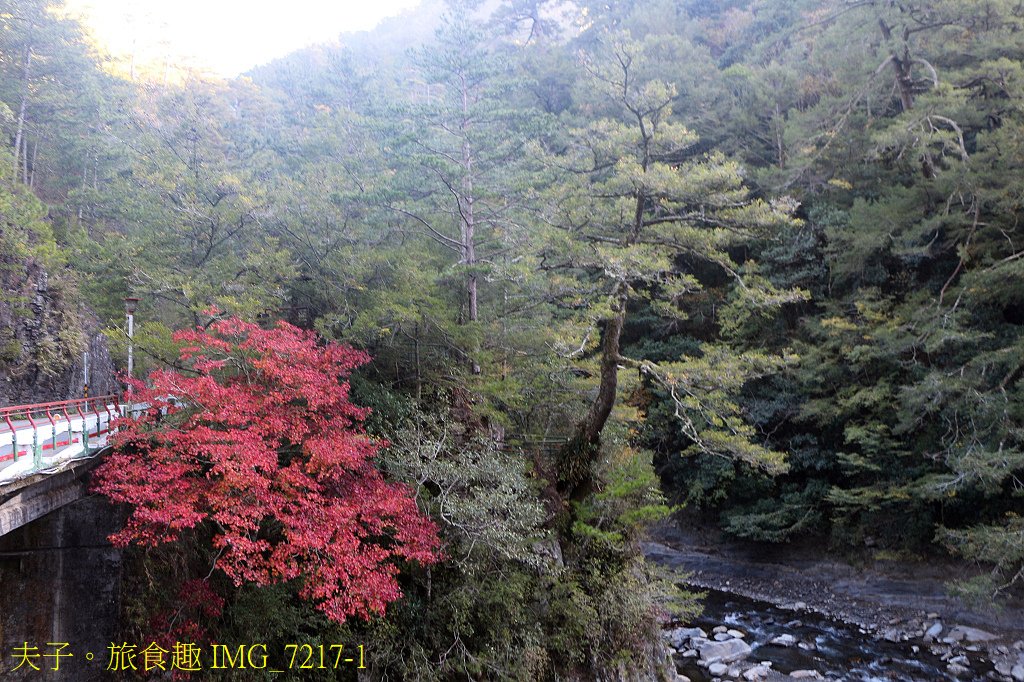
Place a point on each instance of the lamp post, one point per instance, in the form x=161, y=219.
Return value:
x=130, y=304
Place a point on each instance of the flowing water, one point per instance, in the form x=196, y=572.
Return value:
x=840, y=651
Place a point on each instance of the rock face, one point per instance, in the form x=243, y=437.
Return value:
x=44, y=330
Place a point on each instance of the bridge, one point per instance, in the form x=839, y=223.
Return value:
x=44, y=450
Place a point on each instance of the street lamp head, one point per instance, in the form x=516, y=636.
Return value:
x=130, y=304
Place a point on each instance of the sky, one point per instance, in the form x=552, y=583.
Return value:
x=225, y=36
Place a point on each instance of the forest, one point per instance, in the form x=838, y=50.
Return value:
x=533, y=275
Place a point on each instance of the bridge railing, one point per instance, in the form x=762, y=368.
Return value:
x=41, y=435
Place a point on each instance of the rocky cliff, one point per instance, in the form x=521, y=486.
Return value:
x=44, y=334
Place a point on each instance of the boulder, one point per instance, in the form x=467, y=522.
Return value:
x=805, y=675
x=724, y=652
x=962, y=633
x=783, y=640
x=679, y=636
x=718, y=669
x=1017, y=673
x=735, y=633
x=956, y=669
x=934, y=630
x=758, y=672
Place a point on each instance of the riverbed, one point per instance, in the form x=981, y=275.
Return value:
x=835, y=650
x=839, y=621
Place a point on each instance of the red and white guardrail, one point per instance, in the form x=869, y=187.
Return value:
x=43, y=436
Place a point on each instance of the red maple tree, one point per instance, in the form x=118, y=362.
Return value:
x=260, y=441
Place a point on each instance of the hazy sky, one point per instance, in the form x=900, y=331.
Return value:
x=228, y=36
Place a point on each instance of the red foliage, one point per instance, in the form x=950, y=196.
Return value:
x=261, y=443
x=196, y=601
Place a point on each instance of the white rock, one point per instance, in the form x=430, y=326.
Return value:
x=784, y=640
x=934, y=630
x=682, y=678
x=1017, y=673
x=679, y=636
x=720, y=628
x=806, y=675
x=723, y=636
x=956, y=669
x=724, y=652
x=963, y=633
x=718, y=669
x=758, y=672
x=735, y=633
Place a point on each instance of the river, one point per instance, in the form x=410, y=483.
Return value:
x=857, y=623
x=836, y=650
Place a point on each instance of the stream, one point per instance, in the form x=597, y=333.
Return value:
x=879, y=622
x=836, y=650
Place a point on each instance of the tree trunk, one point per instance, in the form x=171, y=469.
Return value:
x=576, y=458
x=35, y=157
x=904, y=80
x=468, y=220
x=24, y=159
x=20, y=131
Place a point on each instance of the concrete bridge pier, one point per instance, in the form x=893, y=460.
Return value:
x=59, y=579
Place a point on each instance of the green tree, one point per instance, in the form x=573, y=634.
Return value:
x=637, y=205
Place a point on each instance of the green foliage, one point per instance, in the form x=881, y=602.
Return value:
x=628, y=502
x=1000, y=545
x=25, y=234
x=779, y=519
